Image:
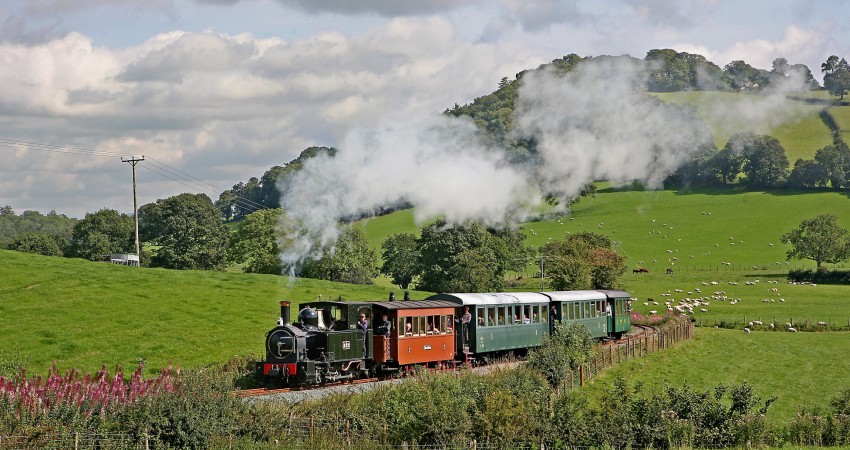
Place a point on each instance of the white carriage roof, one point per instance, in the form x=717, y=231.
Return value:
x=573, y=296
x=495, y=298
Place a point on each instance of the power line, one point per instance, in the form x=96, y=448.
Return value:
x=162, y=169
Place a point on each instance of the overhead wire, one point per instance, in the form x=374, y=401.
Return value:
x=160, y=168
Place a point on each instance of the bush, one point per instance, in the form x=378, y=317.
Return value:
x=820, y=276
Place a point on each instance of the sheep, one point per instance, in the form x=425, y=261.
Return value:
x=758, y=322
x=747, y=330
x=793, y=330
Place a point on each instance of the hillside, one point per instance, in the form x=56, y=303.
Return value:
x=796, y=124
x=84, y=314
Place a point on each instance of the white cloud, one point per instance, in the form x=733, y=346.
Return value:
x=209, y=102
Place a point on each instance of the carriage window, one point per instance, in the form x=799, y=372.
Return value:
x=408, y=326
x=500, y=316
x=491, y=316
x=566, y=311
x=482, y=314
x=544, y=313
x=586, y=308
x=526, y=314
x=517, y=310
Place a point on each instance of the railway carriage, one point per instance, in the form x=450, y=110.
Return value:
x=585, y=307
x=422, y=332
x=620, y=320
x=501, y=322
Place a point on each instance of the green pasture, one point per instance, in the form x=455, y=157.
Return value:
x=83, y=314
x=795, y=123
x=803, y=370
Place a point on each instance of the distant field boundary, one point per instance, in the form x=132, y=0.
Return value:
x=780, y=323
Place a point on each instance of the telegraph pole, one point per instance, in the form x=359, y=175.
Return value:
x=133, y=160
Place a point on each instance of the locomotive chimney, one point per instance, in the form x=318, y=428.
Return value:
x=406, y=295
x=392, y=296
x=284, y=311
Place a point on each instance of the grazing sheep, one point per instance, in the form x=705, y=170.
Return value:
x=757, y=322
x=793, y=330
x=747, y=330
x=772, y=326
x=653, y=312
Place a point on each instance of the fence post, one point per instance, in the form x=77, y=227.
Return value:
x=581, y=375
x=76, y=441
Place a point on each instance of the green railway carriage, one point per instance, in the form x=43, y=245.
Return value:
x=619, y=321
x=585, y=307
x=500, y=322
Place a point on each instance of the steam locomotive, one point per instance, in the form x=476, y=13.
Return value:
x=325, y=343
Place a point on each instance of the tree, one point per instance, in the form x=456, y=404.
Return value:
x=256, y=242
x=834, y=161
x=806, y=174
x=765, y=162
x=725, y=165
x=570, y=347
x=41, y=244
x=836, y=76
x=101, y=233
x=443, y=249
x=472, y=271
x=583, y=261
x=188, y=230
x=744, y=76
x=400, y=259
x=349, y=261
x=820, y=239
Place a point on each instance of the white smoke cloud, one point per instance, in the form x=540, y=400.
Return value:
x=438, y=164
x=595, y=124
x=590, y=125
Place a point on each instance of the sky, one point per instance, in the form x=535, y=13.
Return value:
x=213, y=92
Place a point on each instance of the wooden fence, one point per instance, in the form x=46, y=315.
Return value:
x=628, y=348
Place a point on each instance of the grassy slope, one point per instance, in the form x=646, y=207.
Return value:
x=800, y=129
x=802, y=369
x=83, y=314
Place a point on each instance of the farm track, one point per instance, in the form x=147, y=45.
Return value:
x=638, y=331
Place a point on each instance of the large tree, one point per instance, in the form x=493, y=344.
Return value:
x=351, y=260
x=41, y=244
x=101, y=233
x=836, y=76
x=401, y=259
x=765, y=162
x=188, y=230
x=255, y=242
x=468, y=251
x=820, y=239
x=583, y=261
x=834, y=161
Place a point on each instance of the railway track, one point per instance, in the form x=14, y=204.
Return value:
x=638, y=331
x=271, y=391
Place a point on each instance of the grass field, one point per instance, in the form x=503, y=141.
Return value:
x=83, y=314
x=801, y=370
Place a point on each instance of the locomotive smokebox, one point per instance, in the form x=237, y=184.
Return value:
x=284, y=311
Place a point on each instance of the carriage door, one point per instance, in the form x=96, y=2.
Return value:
x=609, y=311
